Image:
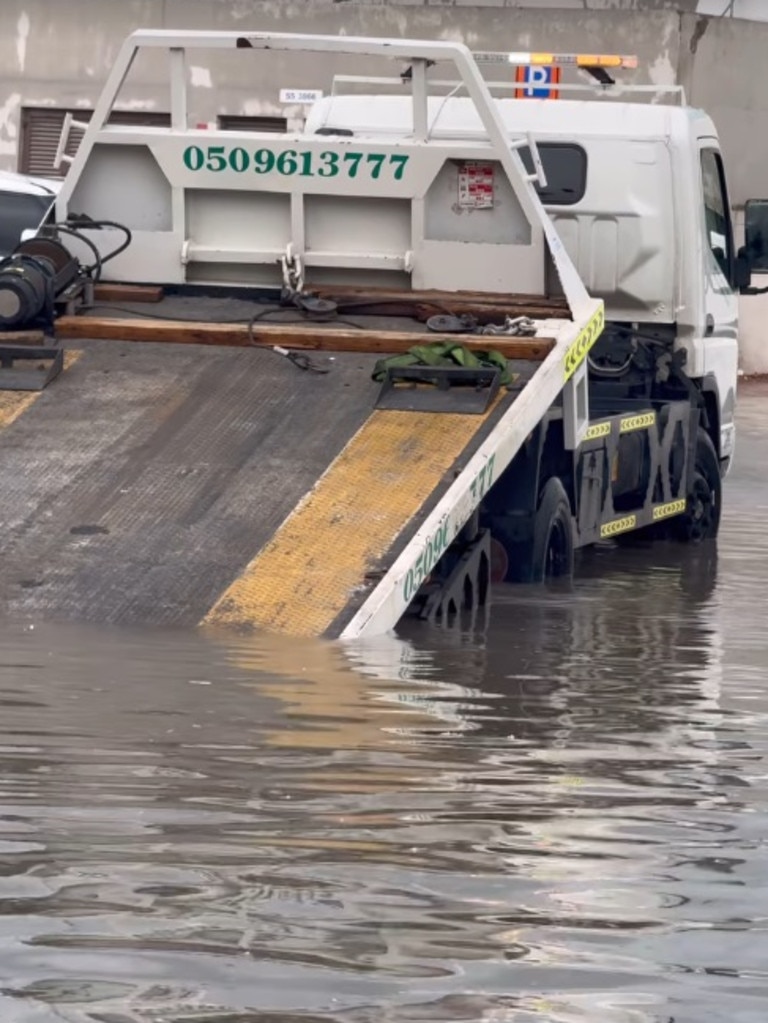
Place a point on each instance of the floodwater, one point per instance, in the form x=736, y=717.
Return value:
x=562, y=818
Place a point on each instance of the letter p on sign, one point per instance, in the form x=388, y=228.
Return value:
x=537, y=82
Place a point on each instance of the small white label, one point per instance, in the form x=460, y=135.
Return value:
x=300, y=95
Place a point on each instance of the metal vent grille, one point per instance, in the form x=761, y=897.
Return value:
x=41, y=130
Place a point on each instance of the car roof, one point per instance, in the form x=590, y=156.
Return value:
x=28, y=184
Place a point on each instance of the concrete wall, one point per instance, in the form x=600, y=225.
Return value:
x=59, y=54
x=63, y=61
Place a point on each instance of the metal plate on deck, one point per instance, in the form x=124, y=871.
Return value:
x=29, y=367
x=439, y=389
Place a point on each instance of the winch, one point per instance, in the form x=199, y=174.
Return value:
x=31, y=278
x=38, y=280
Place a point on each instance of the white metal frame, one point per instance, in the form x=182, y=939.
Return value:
x=418, y=53
x=595, y=90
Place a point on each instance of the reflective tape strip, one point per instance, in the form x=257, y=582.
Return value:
x=598, y=430
x=640, y=422
x=579, y=349
x=663, y=511
x=618, y=526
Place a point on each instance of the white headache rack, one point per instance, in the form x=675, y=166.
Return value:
x=209, y=206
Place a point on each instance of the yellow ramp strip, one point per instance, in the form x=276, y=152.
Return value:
x=13, y=403
x=306, y=574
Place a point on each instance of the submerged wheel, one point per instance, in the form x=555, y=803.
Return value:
x=549, y=553
x=701, y=521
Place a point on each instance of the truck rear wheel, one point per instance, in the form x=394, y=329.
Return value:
x=701, y=520
x=549, y=553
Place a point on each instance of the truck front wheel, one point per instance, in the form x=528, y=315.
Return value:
x=701, y=520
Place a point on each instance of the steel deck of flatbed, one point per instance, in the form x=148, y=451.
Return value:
x=184, y=485
x=139, y=487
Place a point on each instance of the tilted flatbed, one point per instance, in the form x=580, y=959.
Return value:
x=188, y=483
x=224, y=457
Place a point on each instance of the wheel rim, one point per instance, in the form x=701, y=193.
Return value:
x=702, y=508
x=556, y=557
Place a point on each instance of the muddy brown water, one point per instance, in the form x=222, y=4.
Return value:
x=560, y=817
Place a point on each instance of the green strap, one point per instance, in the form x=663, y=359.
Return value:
x=446, y=353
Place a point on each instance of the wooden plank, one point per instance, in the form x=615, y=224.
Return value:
x=554, y=305
x=422, y=311
x=320, y=338
x=127, y=293
x=24, y=337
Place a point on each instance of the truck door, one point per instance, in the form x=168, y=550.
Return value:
x=720, y=300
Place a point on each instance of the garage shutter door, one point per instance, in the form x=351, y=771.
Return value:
x=41, y=130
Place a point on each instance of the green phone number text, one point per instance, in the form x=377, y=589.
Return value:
x=307, y=164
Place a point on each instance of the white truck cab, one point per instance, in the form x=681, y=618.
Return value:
x=638, y=195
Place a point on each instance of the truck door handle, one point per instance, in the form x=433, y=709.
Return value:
x=709, y=326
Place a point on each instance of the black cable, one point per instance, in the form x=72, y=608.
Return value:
x=613, y=331
x=263, y=313
x=95, y=268
x=97, y=224
x=351, y=306
x=70, y=227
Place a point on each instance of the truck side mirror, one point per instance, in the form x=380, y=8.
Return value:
x=753, y=257
x=756, y=233
x=742, y=270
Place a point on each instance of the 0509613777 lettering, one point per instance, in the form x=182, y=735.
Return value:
x=289, y=162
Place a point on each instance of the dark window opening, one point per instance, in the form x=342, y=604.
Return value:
x=717, y=212
x=236, y=122
x=565, y=167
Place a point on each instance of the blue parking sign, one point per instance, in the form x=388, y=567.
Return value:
x=538, y=81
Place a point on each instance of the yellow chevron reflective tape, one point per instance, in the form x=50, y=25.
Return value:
x=577, y=351
x=598, y=430
x=663, y=511
x=618, y=526
x=641, y=422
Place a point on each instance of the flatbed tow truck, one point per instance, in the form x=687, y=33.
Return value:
x=253, y=473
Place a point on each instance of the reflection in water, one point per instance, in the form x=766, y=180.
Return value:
x=560, y=820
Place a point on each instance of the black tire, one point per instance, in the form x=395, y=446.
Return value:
x=550, y=553
x=701, y=521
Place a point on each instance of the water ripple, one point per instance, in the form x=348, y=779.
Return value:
x=560, y=820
